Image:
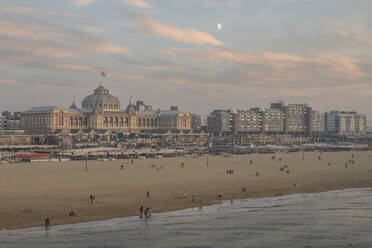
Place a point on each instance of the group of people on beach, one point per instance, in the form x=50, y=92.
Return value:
x=146, y=213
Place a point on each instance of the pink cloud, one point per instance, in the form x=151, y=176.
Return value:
x=81, y=3
x=185, y=35
x=349, y=31
x=10, y=81
x=24, y=30
x=37, y=38
x=108, y=47
x=282, y=64
x=138, y=3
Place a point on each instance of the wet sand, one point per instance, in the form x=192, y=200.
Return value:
x=31, y=192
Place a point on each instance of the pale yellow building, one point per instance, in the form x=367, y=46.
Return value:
x=101, y=111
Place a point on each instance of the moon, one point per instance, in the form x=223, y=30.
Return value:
x=219, y=26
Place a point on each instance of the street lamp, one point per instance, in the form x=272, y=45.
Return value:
x=86, y=162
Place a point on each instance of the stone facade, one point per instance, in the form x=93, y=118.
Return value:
x=101, y=111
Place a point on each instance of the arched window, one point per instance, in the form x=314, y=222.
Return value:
x=61, y=119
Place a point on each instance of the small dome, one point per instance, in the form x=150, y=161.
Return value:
x=101, y=99
x=73, y=106
x=130, y=108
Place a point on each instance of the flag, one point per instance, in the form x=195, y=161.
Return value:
x=103, y=74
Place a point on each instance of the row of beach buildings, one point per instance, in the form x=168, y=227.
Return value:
x=101, y=115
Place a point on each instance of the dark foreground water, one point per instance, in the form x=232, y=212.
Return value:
x=330, y=219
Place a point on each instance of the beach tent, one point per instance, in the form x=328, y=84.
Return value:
x=31, y=155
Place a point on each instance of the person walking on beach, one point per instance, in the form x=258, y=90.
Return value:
x=148, y=194
x=91, y=199
x=257, y=173
x=47, y=222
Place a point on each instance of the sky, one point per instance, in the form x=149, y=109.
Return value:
x=171, y=52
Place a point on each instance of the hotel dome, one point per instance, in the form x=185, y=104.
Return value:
x=101, y=99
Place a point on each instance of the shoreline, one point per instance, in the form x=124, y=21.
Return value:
x=189, y=208
x=32, y=192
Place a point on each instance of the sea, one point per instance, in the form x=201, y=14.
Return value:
x=330, y=219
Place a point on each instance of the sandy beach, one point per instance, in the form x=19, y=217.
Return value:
x=31, y=192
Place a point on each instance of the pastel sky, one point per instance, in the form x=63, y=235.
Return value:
x=170, y=52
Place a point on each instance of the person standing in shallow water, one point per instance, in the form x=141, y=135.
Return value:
x=47, y=222
x=141, y=211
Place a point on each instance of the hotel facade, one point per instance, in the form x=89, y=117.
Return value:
x=101, y=111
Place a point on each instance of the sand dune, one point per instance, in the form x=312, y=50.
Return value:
x=31, y=192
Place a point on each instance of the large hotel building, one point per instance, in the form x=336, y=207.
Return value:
x=101, y=111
